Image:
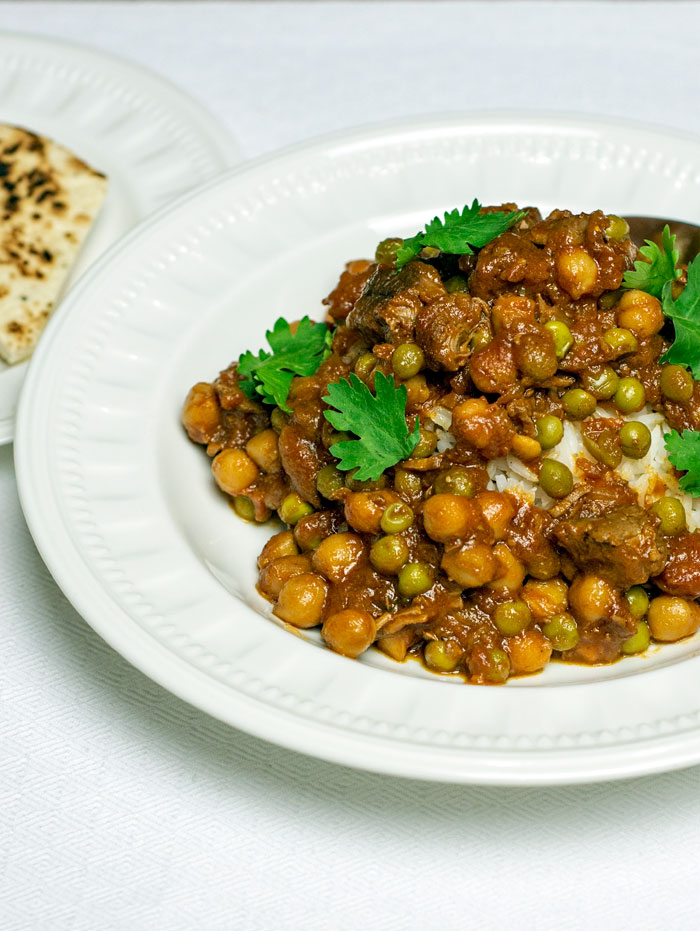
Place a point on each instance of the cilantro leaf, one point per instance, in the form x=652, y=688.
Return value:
x=651, y=276
x=685, y=313
x=378, y=420
x=459, y=233
x=293, y=353
x=684, y=453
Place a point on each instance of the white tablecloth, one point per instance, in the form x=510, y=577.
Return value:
x=123, y=808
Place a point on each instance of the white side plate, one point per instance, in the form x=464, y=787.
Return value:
x=151, y=140
x=124, y=511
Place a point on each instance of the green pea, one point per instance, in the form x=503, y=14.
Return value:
x=637, y=601
x=365, y=365
x=676, y=383
x=512, y=617
x=293, y=508
x=497, y=665
x=549, y=431
x=408, y=483
x=369, y=485
x=636, y=439
x=415, y=579
x=397, y=517
x=442, y=655
x=387, y=554
x=278, y=419
x=407, y=360
x=671, y=513
x=605, y=449
x=480, y=338
x=329, y=480
x=639, y=641
x=602, y=385
x=244, y=507
x=578, y=403
x=561, y=631
x=455, y=283
x=338, y=436
x=456, y=481
x=385, y=253
x=556, y=479
x=630, y=396
x=621, y=340
x=561, y=334
x=617, y=227
x=427, y=442
x=608, y=300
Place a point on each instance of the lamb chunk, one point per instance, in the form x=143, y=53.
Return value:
x=624, y=545
x=506, y=262
x=681, y=575
x=527, y=537
x=342, y=298
x=301, y=461
x=443, y=329
x=387, y=309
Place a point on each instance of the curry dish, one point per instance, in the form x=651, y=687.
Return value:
x=512, y=402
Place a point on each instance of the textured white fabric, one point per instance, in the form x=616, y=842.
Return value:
x=123, y=809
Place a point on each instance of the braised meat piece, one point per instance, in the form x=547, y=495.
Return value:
x=681, y=575
x=387, y=309
x=624, y=546
x=444, y=327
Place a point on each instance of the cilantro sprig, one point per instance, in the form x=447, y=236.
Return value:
x=659, y=269
x=459, y=233
x=685, y=313
x=378, y=420
x=684, y=453
x=270, y=374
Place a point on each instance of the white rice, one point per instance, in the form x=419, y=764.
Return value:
x=650, y=478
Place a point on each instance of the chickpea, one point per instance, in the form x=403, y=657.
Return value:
x=282, y=544
x=592, y=599
x=577, y=272
x=301, y=600
x=671, y=618
x=279, y=571
x=234, y=470
x=470, y=566
x=447, y=518
x=529, y=652
x=337, y=555
x=640, y=312
x=262, y=449
x=511, y=573
x=201, y=413
x=443, y=655
x=364, y=509
x=498, y=510
x=525, y=447
x=545, y=599
x=349, y=632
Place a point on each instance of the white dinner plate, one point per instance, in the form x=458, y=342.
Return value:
x=150, y=139
x=125, y=513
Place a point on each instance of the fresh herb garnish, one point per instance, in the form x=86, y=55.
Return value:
x=685, y=313
x=270, y=374
x=379, y=422
x=651, y=276
x=459, y=233
x=684, y=453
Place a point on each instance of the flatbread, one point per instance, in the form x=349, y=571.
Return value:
x=49, y=199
